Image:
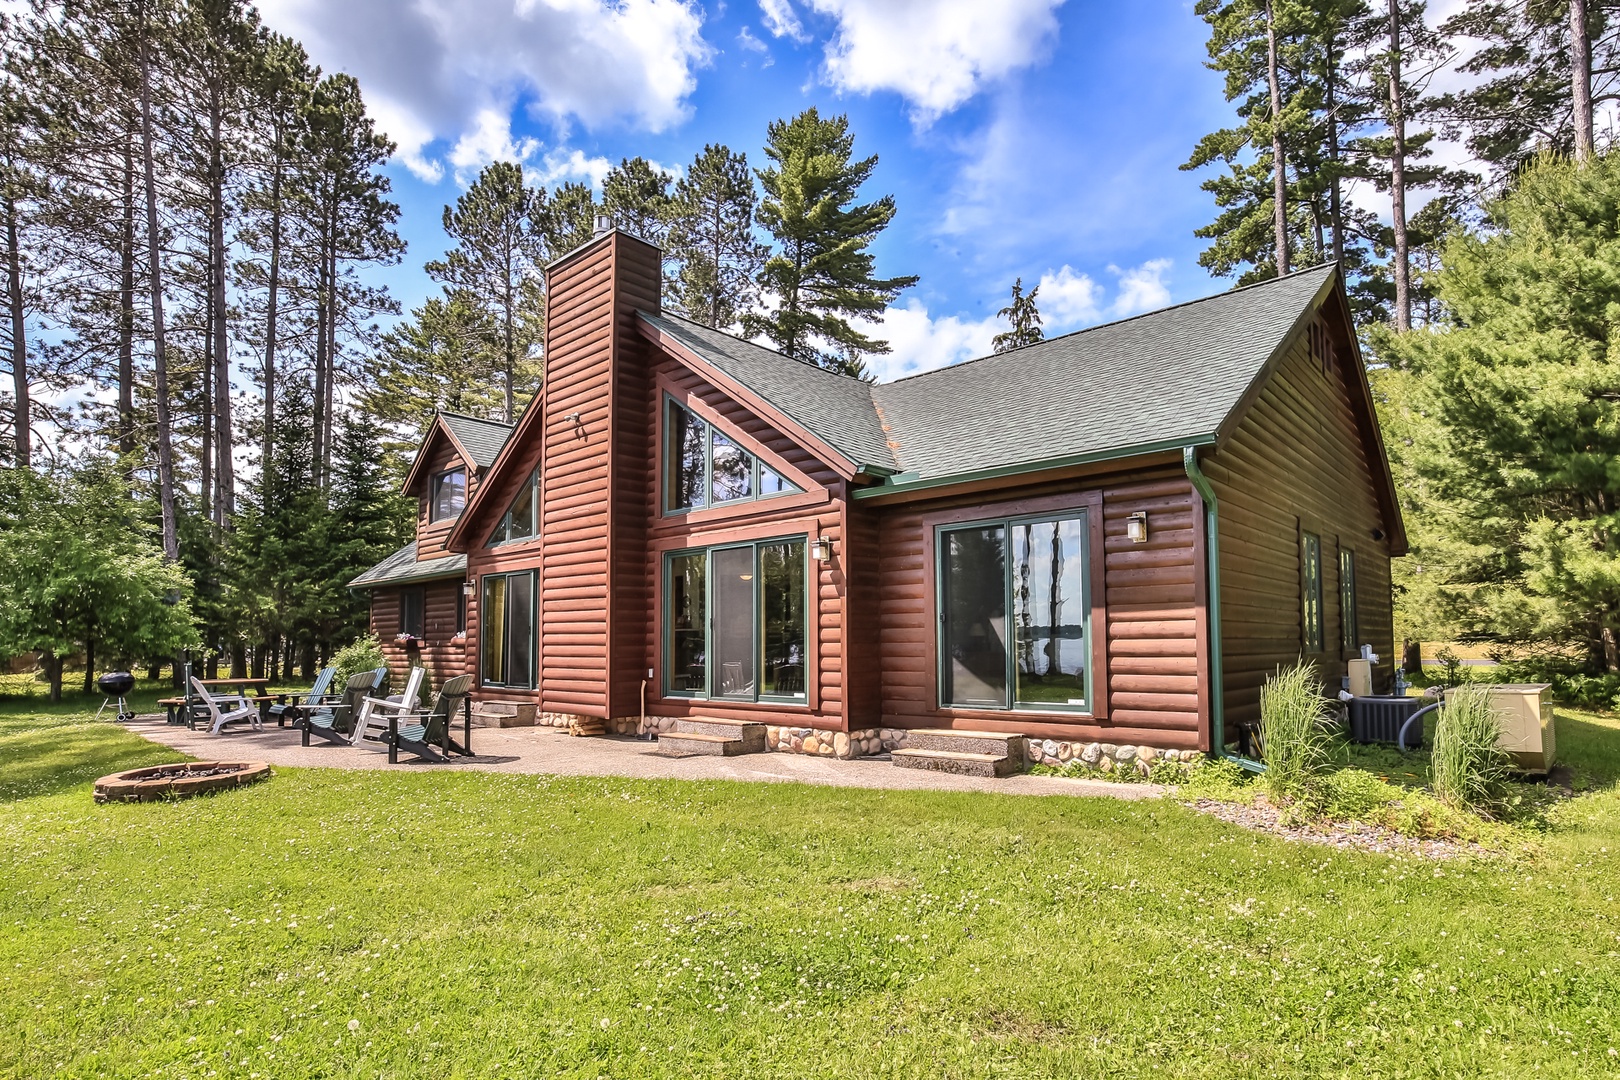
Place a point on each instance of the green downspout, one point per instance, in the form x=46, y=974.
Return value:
x=1212, y=550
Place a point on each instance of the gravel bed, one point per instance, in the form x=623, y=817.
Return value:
x=1346, y=836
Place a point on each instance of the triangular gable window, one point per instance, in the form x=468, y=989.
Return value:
x=702, y=467
x=522, y=518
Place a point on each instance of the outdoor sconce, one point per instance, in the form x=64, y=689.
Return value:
x=466, y=588
x=1136, y=527
x=821, y=548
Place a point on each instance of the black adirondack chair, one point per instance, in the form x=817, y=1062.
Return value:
x=427, y=735
x=336, y=719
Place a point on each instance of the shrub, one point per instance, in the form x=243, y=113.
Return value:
x=1357, y=795
x=1293, y=731
x=1467, y=764
x=364, y=653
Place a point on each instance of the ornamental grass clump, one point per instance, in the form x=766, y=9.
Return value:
x=1468, y=764
x=1293, y=730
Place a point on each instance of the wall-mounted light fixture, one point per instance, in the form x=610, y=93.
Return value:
x=821, y=549
x=572, y=418
x=1136, y=527
x=466, y=588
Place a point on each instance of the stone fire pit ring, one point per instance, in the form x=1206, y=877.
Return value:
x=181, y=780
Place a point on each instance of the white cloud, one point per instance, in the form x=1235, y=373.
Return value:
x=489, y=139
x=1068, y=298
x=921, y=342
x=431, y=68
x=1141, y=288
x=935, y=53
x=559, y=165
x=781, y=20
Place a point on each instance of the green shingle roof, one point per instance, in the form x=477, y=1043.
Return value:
x=1165, y=377
x=482, y=439
x=402, y=567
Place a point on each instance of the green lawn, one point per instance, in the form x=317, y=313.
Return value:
x=404, y=924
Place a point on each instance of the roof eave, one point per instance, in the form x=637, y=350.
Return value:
x=437, y=572
x=897, y=485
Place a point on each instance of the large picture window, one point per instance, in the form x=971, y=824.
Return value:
x=1015, y=611
x=506, y=621
x=448, y=495
x=522, y=519
x=736, y=621
x=702, y=467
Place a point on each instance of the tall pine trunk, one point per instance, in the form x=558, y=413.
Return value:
x=1397, y=173
x=1335, y=194
x=1580, y=73
x=160, y=358
x=225, y=469
x=511, y=350
x=270, y=316
x=126, y=308
x=1279, y=179
x=19, y=336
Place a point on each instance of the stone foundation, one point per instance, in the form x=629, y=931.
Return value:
x=1104, y=758
x=862, y=742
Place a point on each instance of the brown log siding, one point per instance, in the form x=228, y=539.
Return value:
x=443, y=657
x=1297, y=462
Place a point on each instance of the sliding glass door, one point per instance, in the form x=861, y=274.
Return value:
x=1014, y=614
x=736, y=621
x=506, y=625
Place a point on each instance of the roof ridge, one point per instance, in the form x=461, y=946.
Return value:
x=761, y=348
x=474, y=419
x=1113, y=322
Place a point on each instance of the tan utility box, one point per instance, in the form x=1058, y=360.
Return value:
x=1527, y=724
x=1360, y=672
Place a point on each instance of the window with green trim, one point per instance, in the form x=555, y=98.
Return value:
x=1350, y=631
x=1015, y=613
x=1310, y=557
x=522, y=519
x=703, y=467
x=736, y=620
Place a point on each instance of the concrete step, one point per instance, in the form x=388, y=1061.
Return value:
x=688, y=742
x=748, y=732
x=967, y=742
x=959, y=762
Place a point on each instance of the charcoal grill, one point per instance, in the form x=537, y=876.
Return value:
x=116, y=684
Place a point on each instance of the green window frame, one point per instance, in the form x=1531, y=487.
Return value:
x=447, y=495
x=1312, y=632
x=704, y=467
x=708, y=651
x=522, y=518
x=979, y=617
x=507, y=624
x=1350, y=629
x=413, y=611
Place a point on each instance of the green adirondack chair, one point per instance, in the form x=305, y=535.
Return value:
x=427, y=734
x=283, y=711
x=337, y=721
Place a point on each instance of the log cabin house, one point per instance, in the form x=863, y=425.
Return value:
x=1098, y=544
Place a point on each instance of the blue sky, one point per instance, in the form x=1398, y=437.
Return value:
x=1024, y=138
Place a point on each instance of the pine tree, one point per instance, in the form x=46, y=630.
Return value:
x=570, y=218
x=822, y=270
x=712, y=239
x=20, y=186
x=636, y=195
x=1544, y=77
x=1024, y=317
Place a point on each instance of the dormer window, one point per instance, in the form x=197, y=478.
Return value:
x=703, y=468
x=447, y=495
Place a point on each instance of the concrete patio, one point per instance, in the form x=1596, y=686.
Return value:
x=553, y=751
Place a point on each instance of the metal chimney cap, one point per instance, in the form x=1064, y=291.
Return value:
x=604, y=224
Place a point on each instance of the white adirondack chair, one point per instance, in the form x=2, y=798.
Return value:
x=374, y=712
x=225, y=710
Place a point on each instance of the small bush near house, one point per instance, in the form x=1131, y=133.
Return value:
x=364, y=653
x=1467, y=765
x=1293, y=729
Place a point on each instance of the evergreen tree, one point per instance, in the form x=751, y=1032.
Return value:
x=498, y=225
x=1024, y=317
x=1545, y=72
x=821, y=271
x=369, y=520
x=570, y=218
x=1520, y=400
x=712, y=239
x=636, y=195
